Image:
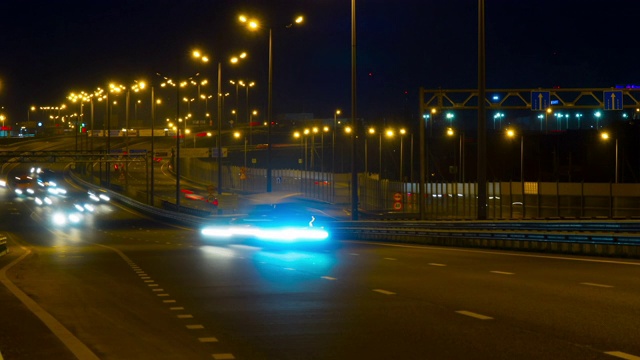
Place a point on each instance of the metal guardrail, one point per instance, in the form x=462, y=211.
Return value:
x=620, y=233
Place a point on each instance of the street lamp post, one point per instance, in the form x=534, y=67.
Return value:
x=605, y=136
x=247, y=86
x=512, y=134
x=579, y=116
x=254, y=25
x=370, y=131
x=233, y=60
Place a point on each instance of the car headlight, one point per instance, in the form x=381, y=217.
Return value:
x=59, y=219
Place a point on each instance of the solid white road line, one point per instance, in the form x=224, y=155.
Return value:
x=622, y=355
x=385, y=292
x=77, y=347
x=474, y=315
x=501, y=272
x=596, y=285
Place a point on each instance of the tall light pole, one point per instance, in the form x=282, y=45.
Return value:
x=370, y=131
x=402, y=133
x=247, y=86
x=253, y=113
x=333, y=141
x=579, y=116
x=233, y=60
x=254, y=25
x=605, y=136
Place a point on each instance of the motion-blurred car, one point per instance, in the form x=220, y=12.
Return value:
x=98, y=195
x=285, y=223
x=24, y=185
x=70, y=214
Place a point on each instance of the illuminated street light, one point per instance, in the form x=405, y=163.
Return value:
x=605, y=136
x=597, y=114
x=253, y=25
x=234, y=59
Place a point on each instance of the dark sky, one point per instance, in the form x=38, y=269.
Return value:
x=50, y=48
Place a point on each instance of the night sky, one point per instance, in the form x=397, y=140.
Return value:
x=50, y=48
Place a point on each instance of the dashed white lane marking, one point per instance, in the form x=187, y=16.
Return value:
x=149, y=281
x=328, y=278
x=474, y=315
x=157, y=289
x=195, y=327
x=207, y=339
x=385, y=292
x=185, y=316
x=163, y=295
x=393, y=259
x=596, y=285
x=501, y=272
x=145, y=277
x=622, y=355
x=436, y=264
x=223, y=356
x=153, y=285
x=176, y=308
x=168, y=301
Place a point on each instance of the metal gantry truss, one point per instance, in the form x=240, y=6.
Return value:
x=521, y=99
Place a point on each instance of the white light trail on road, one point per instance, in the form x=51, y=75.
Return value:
x=622, y=355
x=501, y=272
x=474, y=315
x=385, y=292
x=596, y=285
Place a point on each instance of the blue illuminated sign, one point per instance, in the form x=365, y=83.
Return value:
x=613, y=100
x=540, y=100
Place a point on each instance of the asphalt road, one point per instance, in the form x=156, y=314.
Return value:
x=126, y=287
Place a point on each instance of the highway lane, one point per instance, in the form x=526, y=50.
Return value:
x=130, y=288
